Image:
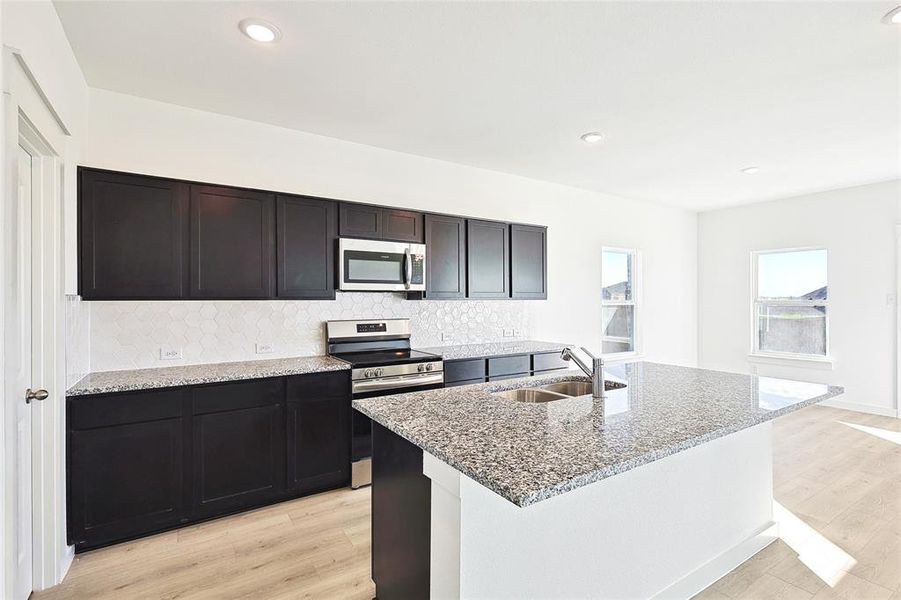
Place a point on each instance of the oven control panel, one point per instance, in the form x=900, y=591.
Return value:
x=436, y=367
x=372, y=327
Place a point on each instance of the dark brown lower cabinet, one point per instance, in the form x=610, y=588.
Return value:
x=147, y=461
x=318, y=407
x=110, y=494
x=239, y=445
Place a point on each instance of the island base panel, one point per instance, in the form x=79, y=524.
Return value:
x=401, y=506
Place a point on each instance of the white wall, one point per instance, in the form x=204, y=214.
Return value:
x=857, y=225
x=138, y=135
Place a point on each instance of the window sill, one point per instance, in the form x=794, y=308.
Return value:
x=622, y=357
x=825, y=363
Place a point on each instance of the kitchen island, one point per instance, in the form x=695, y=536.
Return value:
x=655, y=491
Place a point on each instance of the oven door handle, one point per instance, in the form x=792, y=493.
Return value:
x=408, y=268
x=394, y=383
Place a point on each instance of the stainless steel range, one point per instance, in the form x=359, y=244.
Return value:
x=383, y=363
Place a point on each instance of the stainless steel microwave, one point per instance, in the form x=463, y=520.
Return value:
x=377, y=266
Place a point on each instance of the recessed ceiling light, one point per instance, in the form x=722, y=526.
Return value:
x=592, y=137
x=750, y=170
x=893, y=17
x=259, y=30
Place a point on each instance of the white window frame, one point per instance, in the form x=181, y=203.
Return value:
x=765, y=356
x=635, y=303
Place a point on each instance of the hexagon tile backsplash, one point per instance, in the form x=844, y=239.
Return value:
x=130, y=335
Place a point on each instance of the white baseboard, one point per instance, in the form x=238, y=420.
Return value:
x=712, y=571
x=65, y=563
x=871, y=409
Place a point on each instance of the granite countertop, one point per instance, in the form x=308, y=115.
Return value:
x=494, y=349
x=530, y=452
x=143, y=379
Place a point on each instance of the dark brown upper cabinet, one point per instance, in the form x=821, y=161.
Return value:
x=528, y=262
x=133, y=234
x=307, y=228
x=445, y=240
x=379, y=223
x=232, y=243
x=402, y=225
x=488, y=259
x=360, y=220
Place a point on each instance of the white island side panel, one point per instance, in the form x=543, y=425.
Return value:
x=665, y=529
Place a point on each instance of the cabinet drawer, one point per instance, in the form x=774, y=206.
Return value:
x=503, y=377
x=548, y=361
x=88, y=412
x=234, y=395
x=319, y=386
x=509, y=365
x=448, y=384
x=461, y=370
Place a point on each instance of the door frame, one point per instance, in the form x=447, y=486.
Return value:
x=29, y=118
x=898, y=314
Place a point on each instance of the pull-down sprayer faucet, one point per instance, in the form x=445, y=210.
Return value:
x=596, y=371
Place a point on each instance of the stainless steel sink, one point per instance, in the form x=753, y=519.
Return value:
x=555, y=391
x=579, y=388
x=530, y=395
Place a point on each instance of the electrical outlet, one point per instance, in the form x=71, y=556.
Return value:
x=265, y=348
x=170, y=354
x=516, y=332
x=889, y=299
x=508, y=333
x=447, y=336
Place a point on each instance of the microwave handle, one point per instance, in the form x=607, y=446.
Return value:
x=408, y=268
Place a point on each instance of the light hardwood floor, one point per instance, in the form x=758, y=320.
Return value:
x=837, y=475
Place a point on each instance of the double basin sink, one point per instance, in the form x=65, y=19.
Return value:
x=555, y=391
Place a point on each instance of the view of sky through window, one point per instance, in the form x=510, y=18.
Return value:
x=791, y=274
x=615, y=275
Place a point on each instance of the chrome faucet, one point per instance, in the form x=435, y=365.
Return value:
x=596, y=371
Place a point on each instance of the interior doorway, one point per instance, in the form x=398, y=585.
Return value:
x=28, y=317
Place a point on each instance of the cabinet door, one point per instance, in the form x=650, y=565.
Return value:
x=360, y=220
x=132, y=236
x=318, y=431
x=307, y=228
x=488, y=259
x=445, y=239
x=402, y=225
x=232, y=243
x=528, y=259
x=239, y=445
x=124, y=481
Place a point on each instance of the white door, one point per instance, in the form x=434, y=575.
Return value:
x=19, y=356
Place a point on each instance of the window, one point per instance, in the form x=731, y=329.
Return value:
x=790, y=314
x=619, y=307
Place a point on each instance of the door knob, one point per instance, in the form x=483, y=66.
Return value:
x=38, y=395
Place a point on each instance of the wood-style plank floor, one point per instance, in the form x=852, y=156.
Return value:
x=837, y=480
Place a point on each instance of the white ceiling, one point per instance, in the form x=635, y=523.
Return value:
x=687, y=93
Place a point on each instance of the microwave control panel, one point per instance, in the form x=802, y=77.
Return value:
x=418, y=261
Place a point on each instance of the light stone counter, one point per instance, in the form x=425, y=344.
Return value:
x=527, y=453
x=107, y=382
x=489, y=349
